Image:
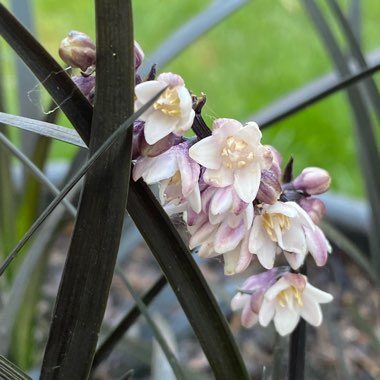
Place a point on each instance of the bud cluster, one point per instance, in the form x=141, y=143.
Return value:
x=235, y=199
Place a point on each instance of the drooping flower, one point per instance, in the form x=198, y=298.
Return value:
x=171, y=112
x=177, y=174
x=251, y=294
x=290, y=299
x=280, y=227
x=233, y=155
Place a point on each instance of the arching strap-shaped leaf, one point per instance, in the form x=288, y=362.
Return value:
x=10, y=371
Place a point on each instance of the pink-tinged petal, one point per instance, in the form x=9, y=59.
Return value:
x=154, y=169
x=248, y=316
x=317, y=245
x=221, y=177
x=250, y=133
x=201, y=235
x=226, y=123
x=157, y=126
x=171, y=79
x=206, y=197
x=227, y=238
x=237, y=204
x=257, y=299
x=294, y=240
x=194, y=199
x=215, y=219
x=245, y=257
x=266, y=314
x=285, y=320
x=247, y=182
x=317, y=295
x=221, y=201
x=206, y=153
x=295, y=260
x=188, y=168
x=275, y=289
x=297, y=280
x=193, y=218
x=311, y=312
x=145, y=91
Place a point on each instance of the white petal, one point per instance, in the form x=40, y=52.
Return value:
x=221, y=177
x=294, y=240
x=316, y=294
x=206, y=153
x=247, y=182
x=201, y=235
x=194, y=199
x=248, y=316
x=231, y=259
x=267, y=311
x=295, y=260
x=275, y=289
x=157, y=126
x=222, y=201
x=285, y=320
x=317, y=245
x=250, y=133
x=154, y=169
x=145, y=91
x=311, y=312
x=239, y=300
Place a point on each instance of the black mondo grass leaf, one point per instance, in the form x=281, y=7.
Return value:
x=176, y=262
x=90, y=263
x=9, y=371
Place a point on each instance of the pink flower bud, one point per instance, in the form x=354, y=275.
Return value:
x=314, y=207
x=312, y=181
x=86, y=85
x=160, y=146
x=270, y=188
x=139, y=55
x=77, y=50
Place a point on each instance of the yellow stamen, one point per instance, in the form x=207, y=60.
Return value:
x=269, y=221
x=236, y=153
x=284, y=296
x=168, y=103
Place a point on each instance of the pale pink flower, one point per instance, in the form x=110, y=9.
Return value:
x=177, y=174
x=233, y=155
x=286, y=227
x=171, y=112
x=290, y=299
x=251, y=294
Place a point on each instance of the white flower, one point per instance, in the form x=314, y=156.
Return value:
x=251, y=294
x=177, y=174
x=289, y=299
x=233, y=155
x=171, y=112
x=283, y=227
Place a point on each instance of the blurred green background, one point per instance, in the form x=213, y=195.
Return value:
x=260, y=53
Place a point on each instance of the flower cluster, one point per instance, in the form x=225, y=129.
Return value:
x=231, y=192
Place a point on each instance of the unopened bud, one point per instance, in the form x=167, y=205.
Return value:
x=77, y=50
x=86, y=85
x=160, y=146
x=270, y=188
x=139, y=55
x=137, y=137
x=277, y=160
x=314, y=207
x=312, y=181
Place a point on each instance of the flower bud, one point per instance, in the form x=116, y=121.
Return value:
x=137, y=138
x=86, y=85
x=314, y=207
x=312, y=181
x=77, y=50
x=160, y=146
x=139, y=55
x=270, y=188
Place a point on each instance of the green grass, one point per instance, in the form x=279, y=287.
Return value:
x=263, y=51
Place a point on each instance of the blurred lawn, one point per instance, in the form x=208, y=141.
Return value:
x=263, y=51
